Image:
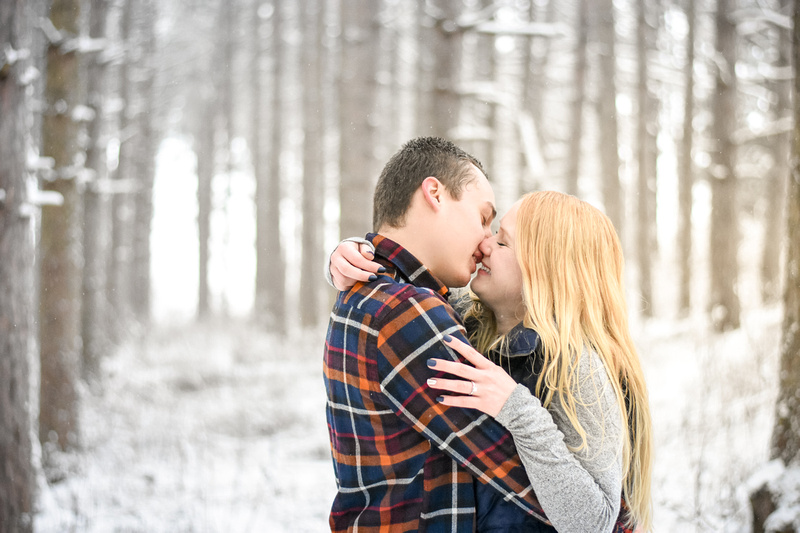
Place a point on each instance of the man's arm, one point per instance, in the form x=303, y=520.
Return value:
x=408, y=336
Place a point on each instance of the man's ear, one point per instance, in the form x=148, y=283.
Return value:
x=432, y=192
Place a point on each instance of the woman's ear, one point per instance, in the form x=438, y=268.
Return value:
x=432, y=192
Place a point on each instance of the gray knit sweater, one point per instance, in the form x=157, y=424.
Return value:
x=580, y=491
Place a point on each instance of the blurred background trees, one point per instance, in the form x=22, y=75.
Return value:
x=673, y=116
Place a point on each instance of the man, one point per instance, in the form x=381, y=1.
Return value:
x=403, y=461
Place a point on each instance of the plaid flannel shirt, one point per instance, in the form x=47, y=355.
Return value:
x=403, y=461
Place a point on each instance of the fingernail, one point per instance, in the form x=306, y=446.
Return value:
x=431, y=382
x=440, y=399
x=381, y=269
x=373, y=277
x=431, y=362
x=371, y=252
x=447, y=338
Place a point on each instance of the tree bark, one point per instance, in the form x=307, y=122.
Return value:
x=607, y=112
x=270, y=297
x=646, y=174
x=119, y=276
x=358, y=119
x=724, y=302
x=145, y=165
x=776, y=179
x=685, y=170
x=17, y=331
x=59, y=307
x=786, y=433
x=204, y=148
x=95, y=208
x=578, y=96
x=313, y=167
x=446, y=50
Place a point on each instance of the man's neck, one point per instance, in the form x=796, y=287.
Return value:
x=407, y=237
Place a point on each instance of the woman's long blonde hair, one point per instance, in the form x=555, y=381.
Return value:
x=572, y=272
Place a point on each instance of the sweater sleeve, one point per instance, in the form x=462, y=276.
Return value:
x=580, y=491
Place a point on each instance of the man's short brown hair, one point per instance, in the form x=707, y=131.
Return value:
x=404, y=173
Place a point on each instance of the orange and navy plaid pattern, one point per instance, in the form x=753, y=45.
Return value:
x=403, y=461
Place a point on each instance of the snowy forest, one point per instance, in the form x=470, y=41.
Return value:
x=174, y=174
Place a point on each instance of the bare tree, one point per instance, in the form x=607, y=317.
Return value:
x=358, y=118
x=446, y=49
x=785, y=442
x=645, y=171
x=776, y=182
x=313, y=167
x=270, y=294
x=786, y=433
x=724, y=302
x=147, y=145
x=119, y=274
x=95, y=206
x=603, y=18
x=59, y=308
x=578, y=96
x=205, y=150
x=263, y=202
x=120, y=252
x=17, y=330
x=685, y=174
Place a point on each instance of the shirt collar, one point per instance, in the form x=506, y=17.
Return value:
x=522, y=341
x=405, y=265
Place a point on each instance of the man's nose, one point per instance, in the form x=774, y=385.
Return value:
x=485, y=247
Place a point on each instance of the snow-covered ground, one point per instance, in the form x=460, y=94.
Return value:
x=219, y=428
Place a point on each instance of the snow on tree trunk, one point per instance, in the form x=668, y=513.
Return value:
x=95, y=206
x=603, y=17
x=645, y=172
x=61, y=258
x=313, y=166
x=724, y=233
x=17, y=331
x=358, y=119
x=774, y=499
x=578, y=95
x=685, y=173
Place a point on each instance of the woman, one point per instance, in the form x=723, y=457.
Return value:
x=551, y=310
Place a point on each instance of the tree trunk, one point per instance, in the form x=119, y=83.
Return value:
x=446, y=50
x=225, y=95
x=786, y=433
x=204, y=148
x=724, y=302
x=644, y=244
x=425, y=65
x=685, y=173
x=313, y=166
x=59, y=308
x=486, y=111
x=270, y=297
x=358, y=119
x=578, y=96
x=17, y=337
x=776, y=179
x=95, y=208
x=119, y=277
x=263, y=202
x=607, y=112
x=145, y=165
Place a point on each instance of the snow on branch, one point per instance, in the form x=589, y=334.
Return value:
x=778, y=127
x=530, y=29
x=749, y=20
